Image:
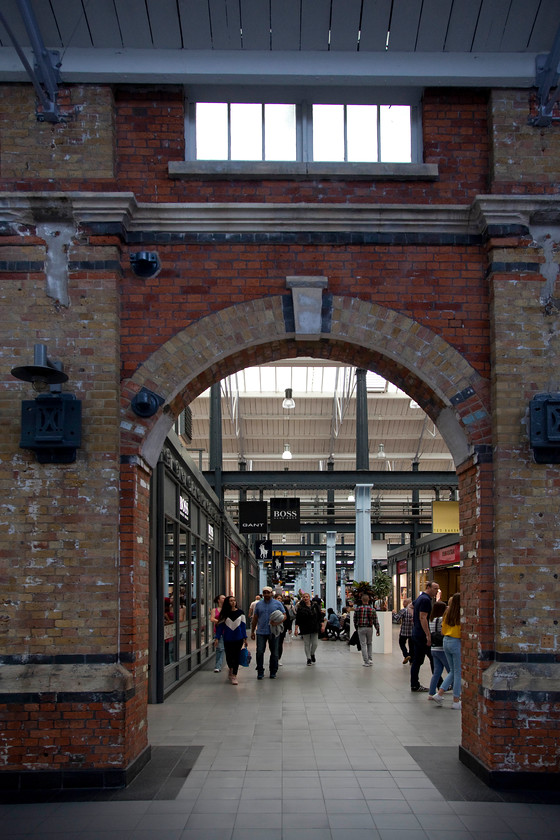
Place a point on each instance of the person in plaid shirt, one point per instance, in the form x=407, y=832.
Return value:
x=365, y=619
x=405, y=617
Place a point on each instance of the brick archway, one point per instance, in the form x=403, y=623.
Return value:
x=365, y=334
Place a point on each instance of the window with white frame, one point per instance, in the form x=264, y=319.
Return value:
x=301, y=131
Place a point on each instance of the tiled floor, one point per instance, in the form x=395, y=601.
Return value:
x=329, y=752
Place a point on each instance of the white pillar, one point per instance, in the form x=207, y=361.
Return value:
x=262, y=576
x=362, y=562
x=330, y=593
x=308, y=576
x=317, y=573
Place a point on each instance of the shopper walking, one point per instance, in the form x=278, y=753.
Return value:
x=421, y=633
x=286, y=632
x=451, y=629
x=261, y=629
x=232, y=627
x=405, y=617
x=438, y=654
x=308, y=623
x=218, y=643
x=365, y=619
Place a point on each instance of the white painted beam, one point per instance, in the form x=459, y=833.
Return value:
x=381, y=69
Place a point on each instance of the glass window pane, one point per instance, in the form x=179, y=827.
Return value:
x=361, y=132
x=211, y=131
x=170, y=596
x=246, y=131
x=280, y=132
x=395, y=133
x=328, y=132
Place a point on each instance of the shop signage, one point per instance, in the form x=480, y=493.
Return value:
x=445, y=517
x=263, y=550
x=402, y=567
x=183, y=507
x=445, y=556
x=253, y=517
x=284, y=515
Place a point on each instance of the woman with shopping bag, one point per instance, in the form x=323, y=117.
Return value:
x=232, y=628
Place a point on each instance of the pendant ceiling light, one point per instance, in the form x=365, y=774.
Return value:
x=288, y=401
x=287, y=454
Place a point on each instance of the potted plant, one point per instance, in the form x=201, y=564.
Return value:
x=381, y=586
x=378, y=589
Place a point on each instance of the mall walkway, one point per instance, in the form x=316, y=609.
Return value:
x=330, y=752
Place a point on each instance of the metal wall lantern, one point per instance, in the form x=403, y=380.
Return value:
x=51, y=424
x=544, y=418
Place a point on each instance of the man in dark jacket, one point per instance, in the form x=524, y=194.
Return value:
x=308, y=623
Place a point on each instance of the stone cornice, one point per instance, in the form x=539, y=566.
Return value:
x=487, y=215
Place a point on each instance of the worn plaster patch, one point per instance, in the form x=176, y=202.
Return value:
x=58, y=238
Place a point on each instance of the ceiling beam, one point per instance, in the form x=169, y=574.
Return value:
x=382, y=69
x=300, y=480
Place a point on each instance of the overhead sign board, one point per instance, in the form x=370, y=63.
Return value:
x=284, y=515
x=253, y=518
x=445, y=517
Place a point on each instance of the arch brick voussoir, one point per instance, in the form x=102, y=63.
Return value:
x=365, y=334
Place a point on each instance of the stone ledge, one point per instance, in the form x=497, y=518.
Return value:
x=528, y=678
x=57, y=679
x=231, y=170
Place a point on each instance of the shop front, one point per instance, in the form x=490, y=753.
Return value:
x=195, y=555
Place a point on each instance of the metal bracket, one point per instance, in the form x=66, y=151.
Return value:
x=45, y=74
x=546, y=79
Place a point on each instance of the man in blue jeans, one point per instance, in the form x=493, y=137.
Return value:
x=261, y=624
x=421, y=635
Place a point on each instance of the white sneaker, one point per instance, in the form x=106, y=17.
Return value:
x=217, y=670
x=436, y=698
x=456, y=705
x=366, y=664
x=370, y=661
x=280, y=663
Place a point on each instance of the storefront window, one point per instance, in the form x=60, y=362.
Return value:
x=184, y=635
x=194, y=593
x=170, y=595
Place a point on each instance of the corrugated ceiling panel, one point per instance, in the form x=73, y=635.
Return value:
x=164, y=23
x=285, y=24
x=134, y=24
x=11, y=13
x=462, y=25
x=255, y=24
x=519, y=25
x=491, y=24
x=404, y=25
x=103, y=24
x=72, y=23
x=433, y=25
x=225, y=23
x=345, y=24
x=546, y=26
x=195, y=24
x=315, y=21
x=375, y=23
x=47, y=24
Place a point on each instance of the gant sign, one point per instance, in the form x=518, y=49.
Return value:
x=253, y=518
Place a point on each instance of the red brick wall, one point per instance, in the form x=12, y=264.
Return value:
x=426, y=305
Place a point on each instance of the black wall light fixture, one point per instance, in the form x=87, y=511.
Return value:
x=145, y=263
x=544, y=418
x=145, y=403
x=51, y=424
